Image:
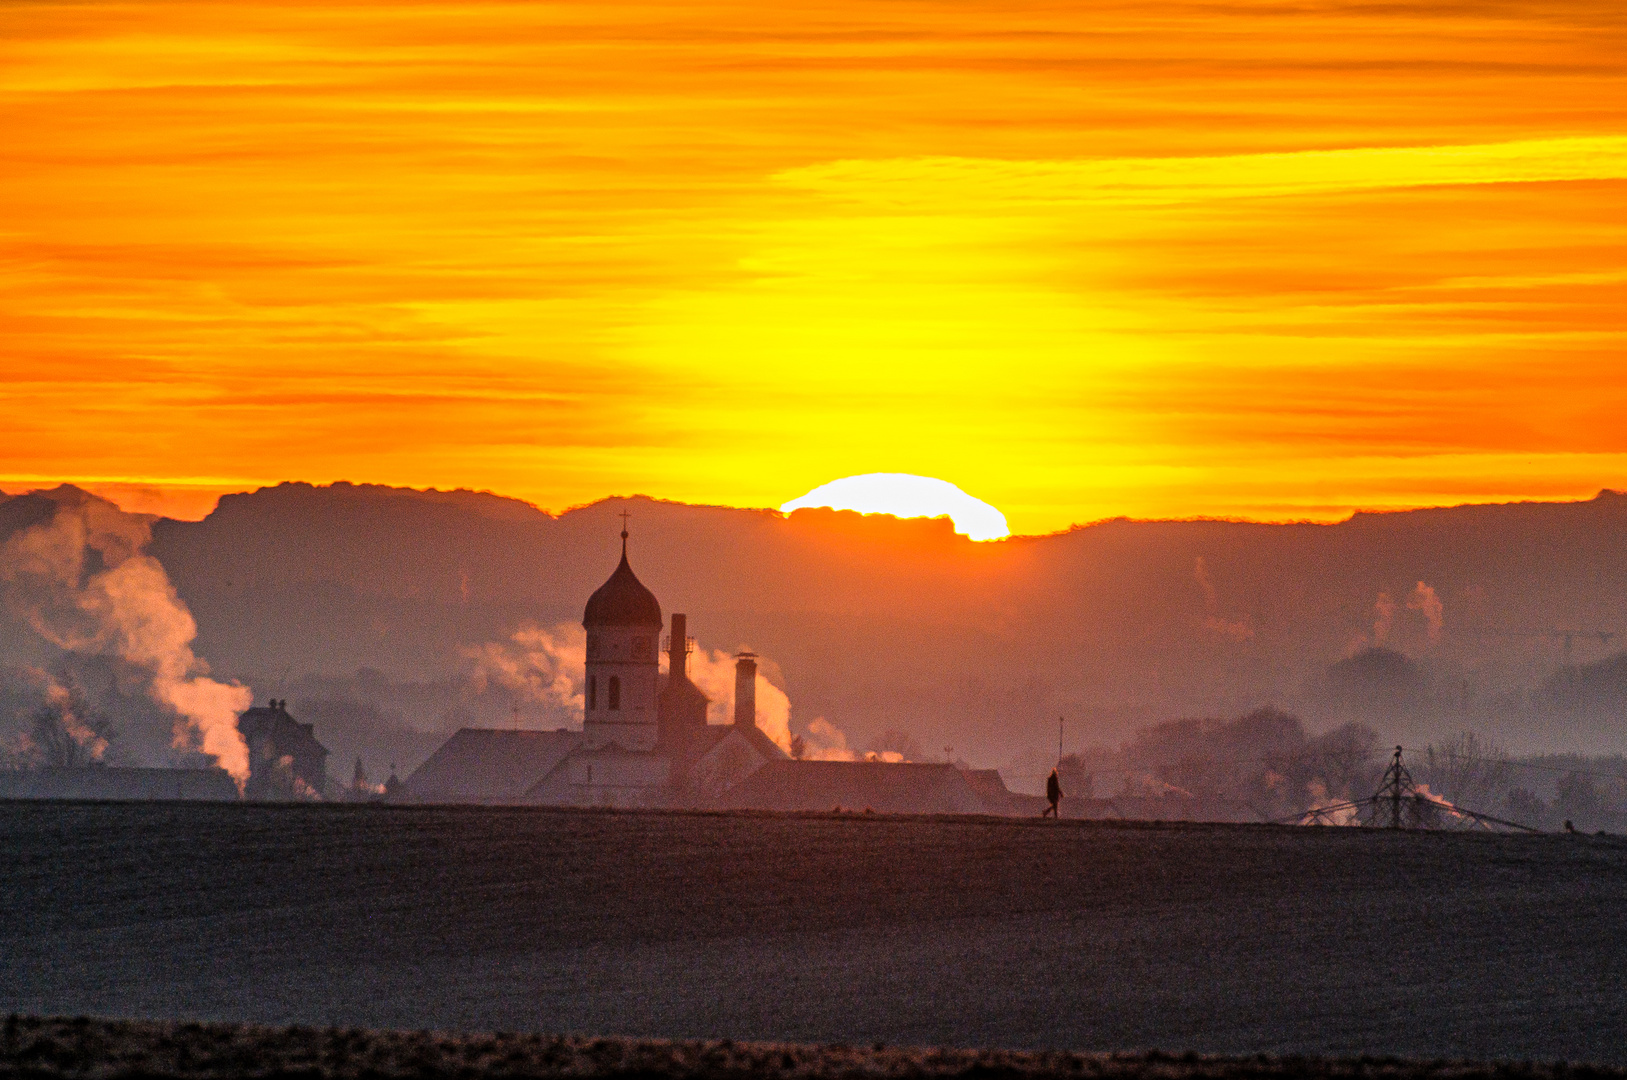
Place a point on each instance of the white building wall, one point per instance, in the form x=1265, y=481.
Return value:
x=627, y=654
x=610, y=778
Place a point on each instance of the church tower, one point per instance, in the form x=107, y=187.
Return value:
x=623, y=624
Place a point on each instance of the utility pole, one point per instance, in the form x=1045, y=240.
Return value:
x=1396, y=786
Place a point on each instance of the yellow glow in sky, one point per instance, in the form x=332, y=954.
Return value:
x=1216, y=259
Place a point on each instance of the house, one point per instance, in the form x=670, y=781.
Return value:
x=285, y=760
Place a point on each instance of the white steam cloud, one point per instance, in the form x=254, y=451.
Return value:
x=541, y=665
x=713, y=671
x=83, y=582
x=1213, y=622
x=1424, y=600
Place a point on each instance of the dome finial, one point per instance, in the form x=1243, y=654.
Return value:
x=624, y=516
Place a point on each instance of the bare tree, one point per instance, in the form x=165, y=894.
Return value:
x=1078, y=782
x=1468, y=771
x=67, y=731
x=1347, y=761
x=897, y=742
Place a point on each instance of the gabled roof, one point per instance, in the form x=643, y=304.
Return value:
x=991, y=788
x=682, y=689
x=488, y=765
x=713, y=734
x=759, y=738
x=289, y=735
x=886, y=788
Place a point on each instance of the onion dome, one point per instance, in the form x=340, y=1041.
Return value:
x=623, y=600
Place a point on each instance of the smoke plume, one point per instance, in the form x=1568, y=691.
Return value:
x=541, y=665
x=1213, y=622
x=1200, y=573
x=713, y=671
x=83, y=582
x=67, y=706
x=1423, y=599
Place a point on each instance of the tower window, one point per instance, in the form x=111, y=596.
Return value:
x=614, y=692
x=593, y=691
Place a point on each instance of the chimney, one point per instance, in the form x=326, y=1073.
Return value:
x=745, y=689
x=678, y=646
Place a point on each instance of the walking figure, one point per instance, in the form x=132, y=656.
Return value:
x=1053, y=795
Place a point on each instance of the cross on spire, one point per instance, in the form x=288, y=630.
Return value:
x=624, y=516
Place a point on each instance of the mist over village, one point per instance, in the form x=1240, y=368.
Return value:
x=1187, y=670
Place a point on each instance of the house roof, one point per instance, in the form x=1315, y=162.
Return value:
x=488, y=765
x=759, y=738
x=885, y=787
x=118, y=784
x=991, y=788
x=289, y=735
x=681, y=689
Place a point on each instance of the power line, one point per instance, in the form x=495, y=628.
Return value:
x=1524, y=764
x=1287, y=757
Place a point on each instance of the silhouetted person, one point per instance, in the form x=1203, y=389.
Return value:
x=1053, y=795
x=1569, y=827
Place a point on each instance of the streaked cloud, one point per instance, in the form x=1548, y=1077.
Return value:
x=1219, y=258
x=950, y=182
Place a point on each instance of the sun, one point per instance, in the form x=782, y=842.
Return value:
x=905, y=495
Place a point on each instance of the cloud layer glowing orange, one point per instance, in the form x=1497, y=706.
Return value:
x=1208, y=259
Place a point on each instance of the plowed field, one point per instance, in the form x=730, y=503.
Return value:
x=956, y=932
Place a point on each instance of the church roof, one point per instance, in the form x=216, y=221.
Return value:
x=623, y=601
x=488, y=765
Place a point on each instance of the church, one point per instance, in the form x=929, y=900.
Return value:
x=645, y=740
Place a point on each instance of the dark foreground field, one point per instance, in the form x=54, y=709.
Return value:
x=1022, y=934
x=34, y=1048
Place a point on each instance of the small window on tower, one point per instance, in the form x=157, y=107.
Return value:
x=593, y=691
x=614, y=693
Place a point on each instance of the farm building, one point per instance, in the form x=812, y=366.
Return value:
x=285, y=759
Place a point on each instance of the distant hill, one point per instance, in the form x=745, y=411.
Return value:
x=368, y=599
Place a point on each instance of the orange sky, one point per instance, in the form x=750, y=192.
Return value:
x=1081, y=260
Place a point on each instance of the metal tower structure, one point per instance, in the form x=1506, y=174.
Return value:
x=1399, y=804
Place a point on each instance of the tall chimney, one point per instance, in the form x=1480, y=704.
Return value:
x=745, y=689
x=678, y=647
